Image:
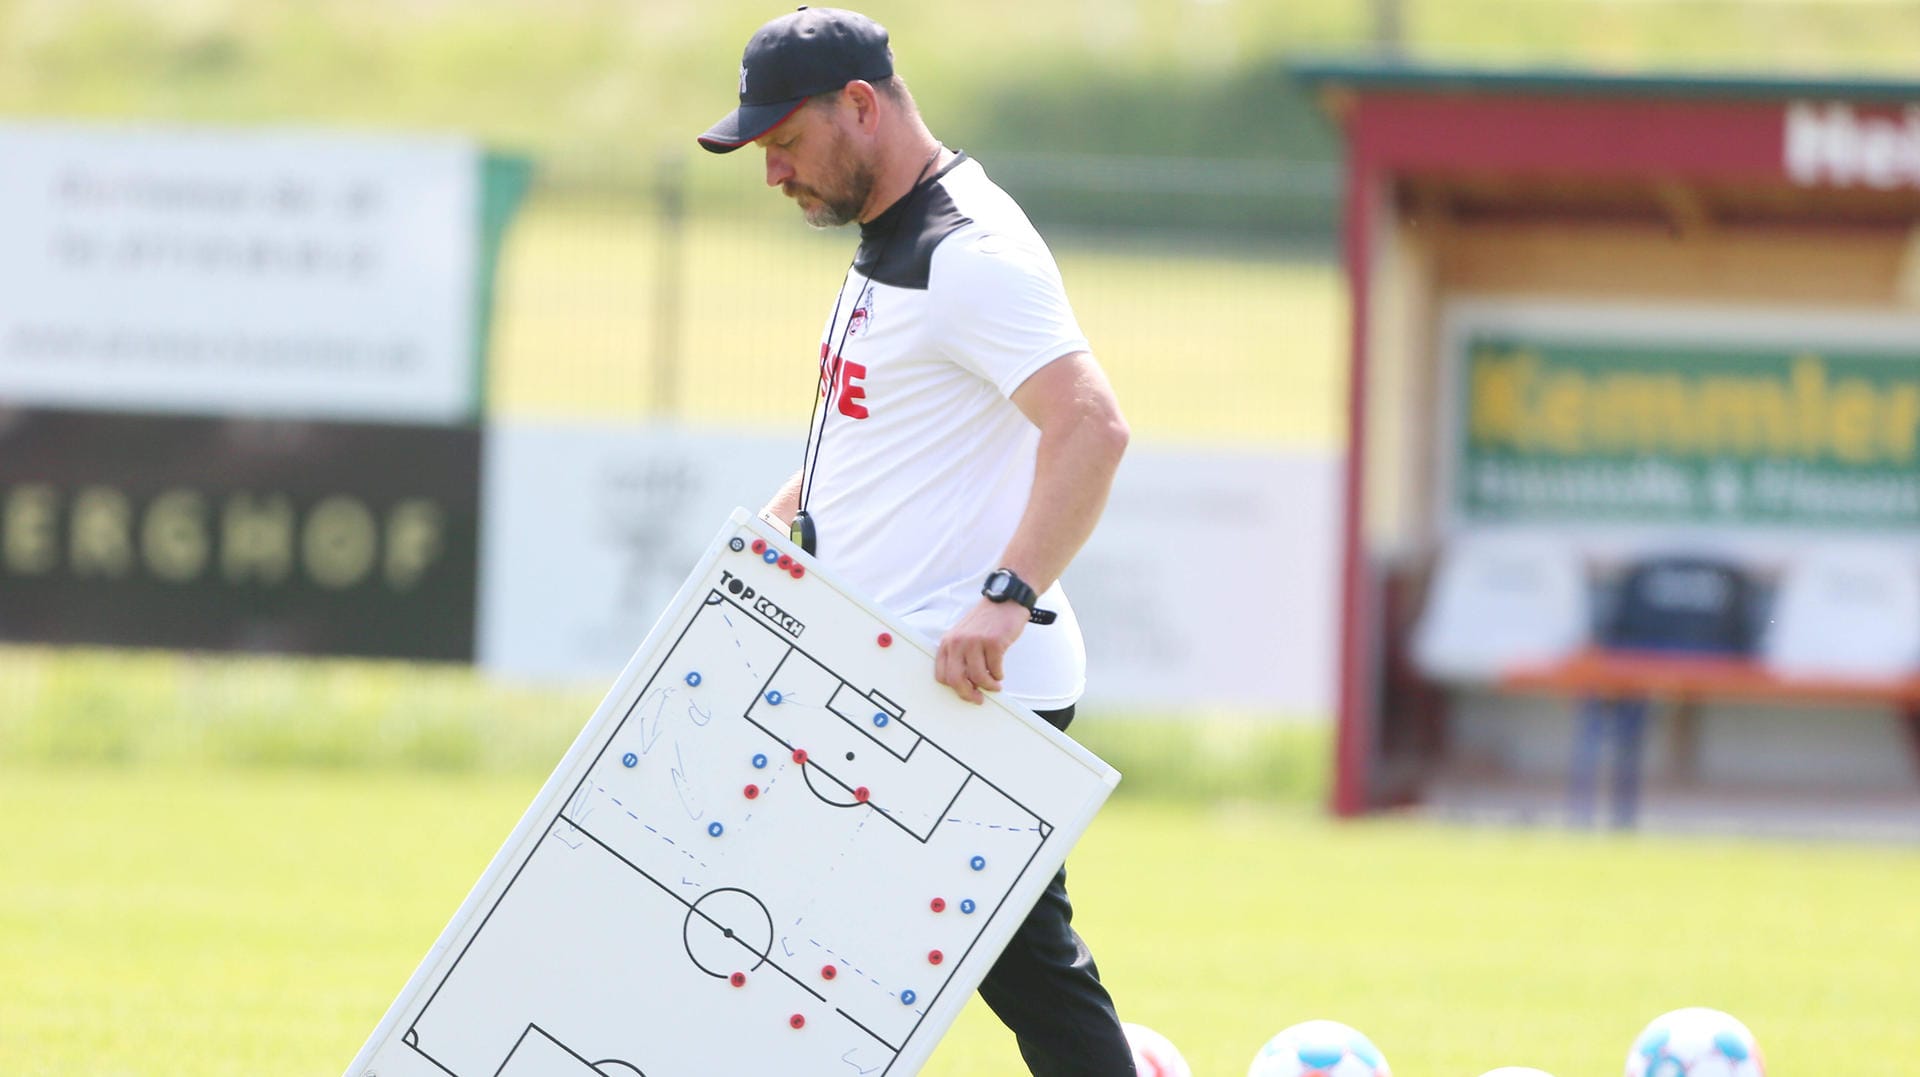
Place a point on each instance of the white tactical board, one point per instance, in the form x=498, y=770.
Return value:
x=778, y=847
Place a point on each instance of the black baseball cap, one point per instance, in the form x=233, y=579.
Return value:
x=811, y=51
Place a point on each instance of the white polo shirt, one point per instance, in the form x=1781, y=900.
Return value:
x=923, y=463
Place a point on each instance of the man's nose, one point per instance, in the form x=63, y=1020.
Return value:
x=779, y=169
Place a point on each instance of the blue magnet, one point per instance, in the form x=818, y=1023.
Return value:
x=693, y=679
x=967, y=905
x=880, y=720
x=715, y=829
x=629, y=759
x=773, y=698
x=772, y=555
x=907, y=997
x=760, y=762
x=978, y=863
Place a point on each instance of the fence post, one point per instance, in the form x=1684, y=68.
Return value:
x=670, y=207
x=1389, y=28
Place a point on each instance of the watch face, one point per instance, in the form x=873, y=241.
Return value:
x=998, y=584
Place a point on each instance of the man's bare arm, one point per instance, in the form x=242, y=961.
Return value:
x=1082, y=437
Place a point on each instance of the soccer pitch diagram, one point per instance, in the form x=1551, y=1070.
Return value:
x=779, y=846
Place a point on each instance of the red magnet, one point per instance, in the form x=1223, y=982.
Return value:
x=738, y=979
x=828, y=972
x=759, y=545
x=752, y=791
x=938, y=904
x=886, y=639
x=798, y=570
x=785, y=561
x=797, y=1021
x=800, y=755
x=861, y=794
x=935, y=957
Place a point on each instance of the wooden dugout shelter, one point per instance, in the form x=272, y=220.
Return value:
x=1716, y=210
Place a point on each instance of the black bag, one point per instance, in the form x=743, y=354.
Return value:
x=1692, y=604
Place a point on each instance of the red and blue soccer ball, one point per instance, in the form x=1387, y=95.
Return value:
x=1319, y=1049
x=1153, y=1054
x=1695, y=1042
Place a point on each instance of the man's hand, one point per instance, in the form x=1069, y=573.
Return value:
x=785, y=502
x=972, y=654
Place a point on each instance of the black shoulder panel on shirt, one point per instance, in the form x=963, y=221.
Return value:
x=899, y=253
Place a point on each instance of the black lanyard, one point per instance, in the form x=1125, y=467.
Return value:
x=802, y=530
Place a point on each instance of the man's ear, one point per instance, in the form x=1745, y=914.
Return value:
x=865, y=101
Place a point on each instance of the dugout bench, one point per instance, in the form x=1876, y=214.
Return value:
x=1685, y=682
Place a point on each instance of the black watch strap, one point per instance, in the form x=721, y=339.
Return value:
x=1038, y=616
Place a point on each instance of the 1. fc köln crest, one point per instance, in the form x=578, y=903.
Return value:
x=862, y=317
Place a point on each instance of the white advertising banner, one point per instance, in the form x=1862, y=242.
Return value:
x=588, y=530
x=1210, y=583
x=228, y=271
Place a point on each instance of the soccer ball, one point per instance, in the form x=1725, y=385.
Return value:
x=1153, y=1054
x=1319, y=1049
x=1695, y=1042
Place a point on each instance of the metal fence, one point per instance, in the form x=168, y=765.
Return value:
x=1206, y=286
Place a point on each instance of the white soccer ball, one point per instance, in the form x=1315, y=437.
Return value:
x=1153, y=1054
x=1319, y=1049
x=1695, y=1042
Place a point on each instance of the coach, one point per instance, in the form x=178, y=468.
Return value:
x=964, y=438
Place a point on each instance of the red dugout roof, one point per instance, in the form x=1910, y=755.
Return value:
x=1808, y=133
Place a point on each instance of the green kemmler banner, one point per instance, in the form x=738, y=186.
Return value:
x=1556, y=430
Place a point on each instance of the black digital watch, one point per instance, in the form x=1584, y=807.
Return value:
x=1004, y=585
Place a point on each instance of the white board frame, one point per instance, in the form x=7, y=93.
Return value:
x=385, y=1053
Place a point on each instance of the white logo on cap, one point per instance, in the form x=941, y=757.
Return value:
x=743, y=78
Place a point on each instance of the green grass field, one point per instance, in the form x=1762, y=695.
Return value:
x=230, y=865
x=208, y=922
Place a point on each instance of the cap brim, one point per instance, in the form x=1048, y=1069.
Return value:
x=746, y=123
